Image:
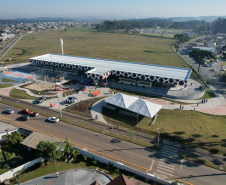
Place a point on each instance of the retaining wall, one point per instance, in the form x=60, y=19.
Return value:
x=12, y=173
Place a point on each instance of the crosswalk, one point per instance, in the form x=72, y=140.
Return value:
x=169, y=155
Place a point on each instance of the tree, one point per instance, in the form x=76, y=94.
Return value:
x=15, y=138
x=47, y=150
x=67, y=147
x=182, y=37
x=74, y=153
x=200, y=55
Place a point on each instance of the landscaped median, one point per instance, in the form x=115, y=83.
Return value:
x=5, y=85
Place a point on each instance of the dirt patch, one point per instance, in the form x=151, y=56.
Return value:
x=83, y=107
x=40, y=86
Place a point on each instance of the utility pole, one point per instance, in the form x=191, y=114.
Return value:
x=59, y=105
x=158, y=135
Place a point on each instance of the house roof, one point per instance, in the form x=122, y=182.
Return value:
x=34, y=138
x=120, y=180
x=133, y=104
x=6, y=126
x=95, y=183
x=103, y=65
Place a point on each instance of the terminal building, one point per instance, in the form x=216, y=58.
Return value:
x=130, y=73
x=145, y=79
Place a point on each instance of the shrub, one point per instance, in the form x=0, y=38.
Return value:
x=94, y=162
x=84, y=158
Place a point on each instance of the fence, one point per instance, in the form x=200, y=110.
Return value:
x=12, y=173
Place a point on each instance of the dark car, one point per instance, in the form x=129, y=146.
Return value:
x=71, y=100
x=41, y=99
x=25, y=117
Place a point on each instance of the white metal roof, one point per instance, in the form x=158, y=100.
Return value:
x=131, y=67
x=121, y=100
x=133, y=104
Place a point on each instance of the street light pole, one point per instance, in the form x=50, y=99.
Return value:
x=59, y=105
x=158, y=135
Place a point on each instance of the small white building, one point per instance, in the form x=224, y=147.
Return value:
x=6, y=129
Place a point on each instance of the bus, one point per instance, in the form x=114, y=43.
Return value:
x=144, y=84
x=127, y=81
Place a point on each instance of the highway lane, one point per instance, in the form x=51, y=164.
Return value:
x=129, y=154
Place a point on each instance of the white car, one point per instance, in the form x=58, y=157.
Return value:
x=9, y=111
x=53, y=119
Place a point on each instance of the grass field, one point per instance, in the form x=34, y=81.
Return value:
x=135, y=48
x=181, y=126
x=7, y=80
x=5, y=85
x=21, y=94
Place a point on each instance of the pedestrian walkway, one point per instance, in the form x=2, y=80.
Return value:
x=169, y=155
x=97, y=111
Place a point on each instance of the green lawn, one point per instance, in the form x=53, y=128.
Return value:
x=181, y=126
x=7, y=80
x=134, y=48
x=21, y=94
x=5, y=85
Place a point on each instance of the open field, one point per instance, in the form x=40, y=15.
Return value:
x=5, y=85
x=91, y=43
x=181, y=126
x=7, y=80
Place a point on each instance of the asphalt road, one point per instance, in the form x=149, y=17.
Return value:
x=210, y=76
x=165, y=162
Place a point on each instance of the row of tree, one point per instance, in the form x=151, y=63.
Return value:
x=198, y=26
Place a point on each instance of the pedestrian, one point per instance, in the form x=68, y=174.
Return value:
x=118, y=126
x=57, y=174
x=191, y=84
x=197, y=104
x=206, y=100
x=194, y=108
x=202, y=101
x=96, y=117
x=180, y=106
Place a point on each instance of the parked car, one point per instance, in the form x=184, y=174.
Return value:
x=29, y=112
x=213, y=69
x=53, y=119
x=9, y=111
x=41, y=99
x=25, y=117
x=213, y=64
x=206, y=65
x=71, y=100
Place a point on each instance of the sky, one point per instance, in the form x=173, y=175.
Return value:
x=111, y=8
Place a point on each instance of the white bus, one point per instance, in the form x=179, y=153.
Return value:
x=127, y=81
x=144, y=84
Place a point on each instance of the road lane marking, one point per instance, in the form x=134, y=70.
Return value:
x=164, y=173
x=167, y=164
x=165, y=149
x=169, y=156
x=170, y=147
x=168, y=170
x=184, y=182
x=152, y=165
x=172, y=168
x=170, y=153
